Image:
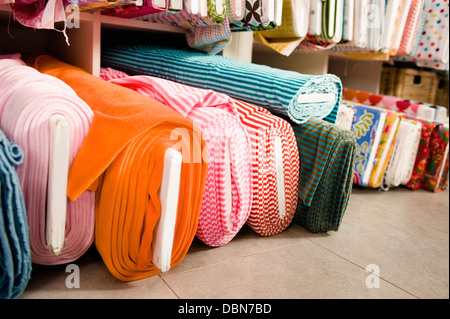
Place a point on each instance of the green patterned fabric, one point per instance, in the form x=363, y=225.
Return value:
x=327, y=155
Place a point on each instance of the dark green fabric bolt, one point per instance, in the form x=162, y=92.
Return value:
x=326, y=174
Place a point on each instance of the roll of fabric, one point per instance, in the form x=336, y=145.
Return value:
x=279, y=91
x=423, y=154
x=286, y=37
x=436, y=172
x=15, y=263
x=345, y=115
x=385, y=148
x=122, y=159
x=368, y=124
x=255, y=18
x=217, y=118
x=411, y=27
x=327, y=155
x=401, y=164
x=274, y=155
x=28, y=100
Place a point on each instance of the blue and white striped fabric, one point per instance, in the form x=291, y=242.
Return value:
x=275, y=89
x=15, y=252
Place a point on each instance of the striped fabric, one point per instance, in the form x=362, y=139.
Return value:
x=216, y=116
x=28, y=100
x=277, y=90
x=271, y=214
x=326, y=174
x=15, y=261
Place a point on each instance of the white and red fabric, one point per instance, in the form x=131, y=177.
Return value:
x=273, y=207
x=215, y=115
x=28, y=99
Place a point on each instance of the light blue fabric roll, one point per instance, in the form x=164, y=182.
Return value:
x=15, y=261
x=275, y=89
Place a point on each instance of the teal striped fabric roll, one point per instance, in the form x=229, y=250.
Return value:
x=277, y=90
x=326, y=174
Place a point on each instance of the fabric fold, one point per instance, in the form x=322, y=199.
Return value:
x=15, y=263
x=327, y=155
x=280, y=91
x=28, y=100
x=123, y=156
x=216, y=117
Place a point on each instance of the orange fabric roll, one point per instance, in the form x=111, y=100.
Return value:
x=122, y=160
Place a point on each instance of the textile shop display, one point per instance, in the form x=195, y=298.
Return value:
x=281, y=92
x=327, y=155
x=401, y=164
x=275, y=162
x=122, y=159
x=227, y=198
x=368, y=124
x=32, y=105
x=15, y=262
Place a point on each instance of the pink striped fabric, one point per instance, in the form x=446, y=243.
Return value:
x=263, y=127
x=27, y=101
x=411, y=26
x=217, y=117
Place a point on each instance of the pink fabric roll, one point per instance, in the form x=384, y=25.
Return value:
x=27, y=101
x=411, y=26
x=217, y=118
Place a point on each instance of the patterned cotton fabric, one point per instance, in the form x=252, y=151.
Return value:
x=15, y=262
x=217, y=118
x=326, y=174
x=274, y=203
x=279, y=91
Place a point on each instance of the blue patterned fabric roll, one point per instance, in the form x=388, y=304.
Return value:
x=15, y=253
x=277, y=90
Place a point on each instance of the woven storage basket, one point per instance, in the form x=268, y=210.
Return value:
x=416, y=85
x=442, y=92
x=388, y=80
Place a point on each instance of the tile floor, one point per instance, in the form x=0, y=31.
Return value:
x=405, y=234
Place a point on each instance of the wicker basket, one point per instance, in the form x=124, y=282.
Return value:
x=388, y=80
x=416, y=85
x=442, y=92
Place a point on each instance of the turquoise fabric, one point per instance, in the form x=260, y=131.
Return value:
x=275, y=89
x=15, y=253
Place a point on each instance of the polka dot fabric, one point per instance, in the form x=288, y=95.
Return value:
x=432, y=50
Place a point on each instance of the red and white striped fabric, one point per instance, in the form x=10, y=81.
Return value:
x=273, y=148
x=226, y=201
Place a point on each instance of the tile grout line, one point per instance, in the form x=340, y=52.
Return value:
x=167, y=284
x=342, y=257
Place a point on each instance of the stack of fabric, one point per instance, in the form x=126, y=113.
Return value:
x=29, y=100
x=15, y=263
x=227, y=198
x=122, y=159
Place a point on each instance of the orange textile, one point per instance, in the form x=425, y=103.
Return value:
x=122, y=160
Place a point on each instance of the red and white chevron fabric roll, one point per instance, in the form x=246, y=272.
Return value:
x=275, y=168
x=28, y=101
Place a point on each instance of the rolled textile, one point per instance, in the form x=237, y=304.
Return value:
x=255, y=18
x=275, y=161
x=327, y=155
x=401, y=164
x=368, y=124
x=28, y=102
x=216, y=116
x=385, y=148
x=15, y=262
x=282, y=92
x=411, y=27
x=429, y=129
x=345, y=115
x=435, y=178
x=122, y=159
